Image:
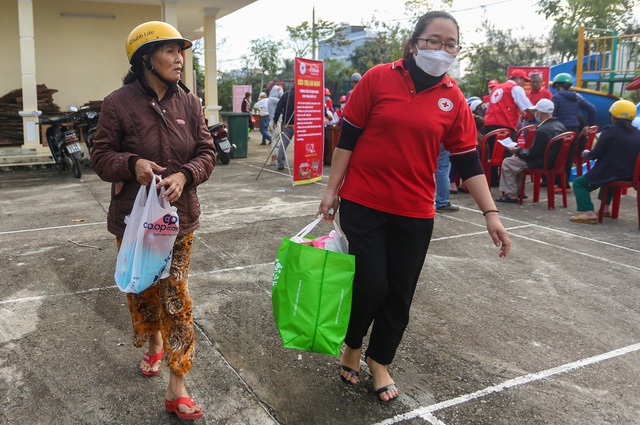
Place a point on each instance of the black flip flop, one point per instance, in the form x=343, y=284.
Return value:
x=386, y=388
x=348, y=370
x=507, y=199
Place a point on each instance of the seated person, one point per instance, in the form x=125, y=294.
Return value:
x=513, y=166
x=616, y=152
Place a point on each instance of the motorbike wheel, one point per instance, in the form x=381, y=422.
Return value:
x=75, y=166
x=89, y=142
x=224, y=157
x=59, y=161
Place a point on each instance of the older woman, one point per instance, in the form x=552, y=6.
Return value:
x=151, y=126
x=385, y=187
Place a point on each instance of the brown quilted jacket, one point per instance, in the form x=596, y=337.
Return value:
x=172, y=133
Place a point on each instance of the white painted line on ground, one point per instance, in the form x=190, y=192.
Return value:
x=44, y=297
x=483, y=232
x=432, y=419
x=425, y=412
x=230, y=269
x=550, y=229
x=575, y=251
x=88, y=291
x=14, y=232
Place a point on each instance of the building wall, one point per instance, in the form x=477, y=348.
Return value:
x=82, y=57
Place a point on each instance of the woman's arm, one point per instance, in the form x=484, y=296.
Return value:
x=479, y=189
x=330, y=200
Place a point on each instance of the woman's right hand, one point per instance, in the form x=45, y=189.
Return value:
x=146, y=171
x=329, y=205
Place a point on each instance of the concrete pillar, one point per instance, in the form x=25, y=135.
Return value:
x=170, y=12
x=212, y=109
x=30, y=110
x=187, y=70
x=170, y=16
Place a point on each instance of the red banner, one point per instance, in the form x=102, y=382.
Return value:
x=309, y=121
x=544, y=71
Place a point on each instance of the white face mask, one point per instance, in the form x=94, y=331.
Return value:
x=433, y=62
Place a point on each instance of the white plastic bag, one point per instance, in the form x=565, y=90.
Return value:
x=335, y=241
x=145, y=252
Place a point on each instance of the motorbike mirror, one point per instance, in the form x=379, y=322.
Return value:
x=84, y=107
x=73, y=109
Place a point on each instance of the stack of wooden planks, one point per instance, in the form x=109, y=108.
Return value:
x=11, y=132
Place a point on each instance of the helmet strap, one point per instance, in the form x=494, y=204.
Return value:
x=147, y=64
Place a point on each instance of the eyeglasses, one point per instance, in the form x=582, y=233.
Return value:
x=433, y=44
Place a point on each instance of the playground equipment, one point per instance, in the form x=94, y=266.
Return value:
x=609, y=63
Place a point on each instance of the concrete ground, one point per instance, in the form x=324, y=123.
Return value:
x=549, y=335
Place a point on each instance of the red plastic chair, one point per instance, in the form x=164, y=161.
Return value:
x=497, y=153
x=617, y=187
x=564, y=140
x=590, y=133
x=529, y=132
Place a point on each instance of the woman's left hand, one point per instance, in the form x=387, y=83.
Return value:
x=499, y=234
x=174, y=185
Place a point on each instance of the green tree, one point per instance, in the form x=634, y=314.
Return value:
x=226, y=80
x=490, y=59
x=304, y=37
x=267, y=54
x=336, y=74
x=569, y=15
x=287, y=70
x=198, y=56
x=392, y=36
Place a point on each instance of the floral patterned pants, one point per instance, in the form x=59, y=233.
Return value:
x=166, y=307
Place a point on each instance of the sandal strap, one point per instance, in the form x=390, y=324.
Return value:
x=152, y=358
x=187, y=401
x=348, y=370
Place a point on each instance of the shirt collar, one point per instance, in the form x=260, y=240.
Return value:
x=445, y=82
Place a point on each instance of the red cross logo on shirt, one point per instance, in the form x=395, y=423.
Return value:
x=445, y=104
x=496, y=95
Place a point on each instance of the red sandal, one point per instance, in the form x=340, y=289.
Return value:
x=172, y=406
x=151, y=359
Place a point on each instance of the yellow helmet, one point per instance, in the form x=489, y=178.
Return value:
x=151, y=32
x=623, y=110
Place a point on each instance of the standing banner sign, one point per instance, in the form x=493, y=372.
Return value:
x=308, y=133
x=238, y=96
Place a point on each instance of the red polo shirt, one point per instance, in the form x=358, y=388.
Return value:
x=534, y=97
x=393, y=164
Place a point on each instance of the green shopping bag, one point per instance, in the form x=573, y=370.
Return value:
x=311, y=295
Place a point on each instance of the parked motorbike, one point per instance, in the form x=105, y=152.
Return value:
x=63, y=143
x=86, y=122
x=224, y=148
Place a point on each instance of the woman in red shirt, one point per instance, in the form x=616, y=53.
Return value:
x=382, y=175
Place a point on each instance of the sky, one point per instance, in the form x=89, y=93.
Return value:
x=269, y=19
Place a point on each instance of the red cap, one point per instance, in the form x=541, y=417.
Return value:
x=519, y=73
x=343, y=98
x=493, y=83
x=327, y=92
x=634, y=85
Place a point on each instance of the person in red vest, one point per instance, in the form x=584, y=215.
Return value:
x=537, y=92
x=490, y=86
x=507, y=102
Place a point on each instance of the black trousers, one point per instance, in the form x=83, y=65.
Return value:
x=390, y=251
